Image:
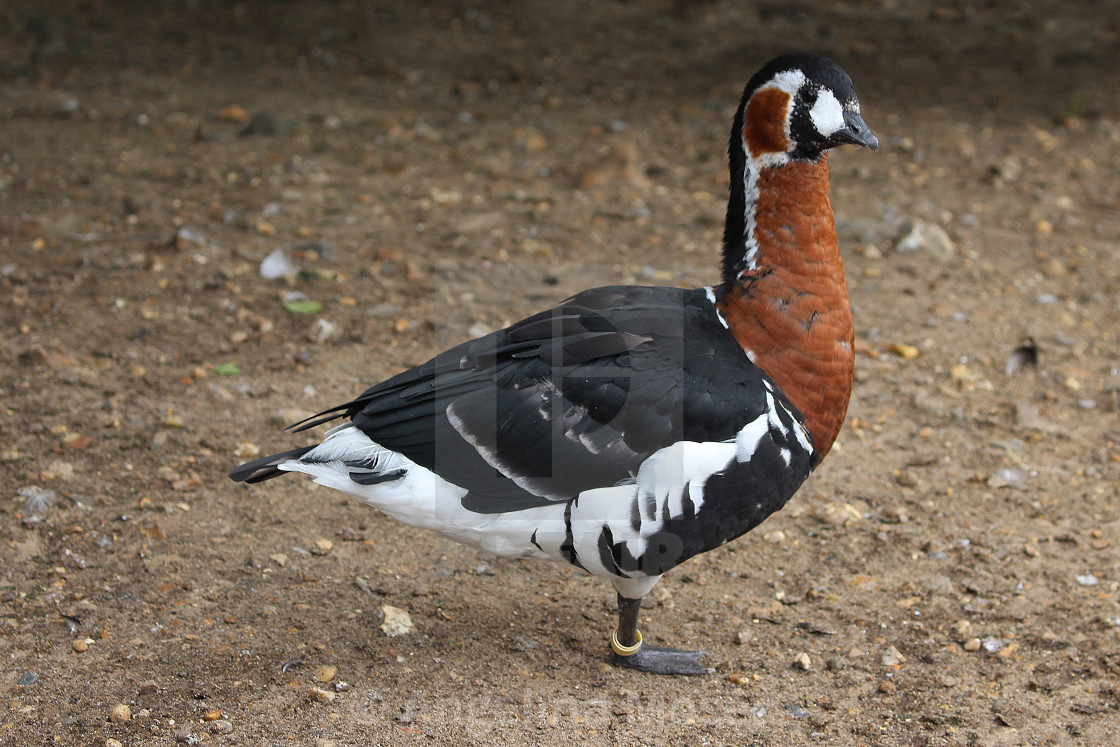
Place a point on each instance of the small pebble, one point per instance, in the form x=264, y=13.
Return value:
x=326, y=673
x=120, y=714
x=963, y=629
x=886, y=687
x=27, y=679
x=892, y=657
x=894, y=514
x=322, y=547
x=972, y=644
x=935, y=550
x=479, y=329
x=277, y=264
x=81, y=645
x=397, y=621
x=1087, y=580
x=287, y=416
x=320, y=695
x=803, y=662
x=262, y=123
x=233, y=113
x=940, y=583
x=187, y=238
x=480, y=223
x=323, y=330
x=622, y=164
x=992, y=645
x=185, y=737
x=60, y=470
x=742, y=637
x=212, y=715
x=838, y=513
x=221, y=726
x=918, y=235
x=247, y=450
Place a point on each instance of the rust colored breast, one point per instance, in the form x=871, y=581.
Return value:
x=791, y=314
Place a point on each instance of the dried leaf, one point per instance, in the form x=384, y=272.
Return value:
x=304, y=306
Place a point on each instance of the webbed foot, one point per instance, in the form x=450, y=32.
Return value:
x=664, y=660
x=647, y=657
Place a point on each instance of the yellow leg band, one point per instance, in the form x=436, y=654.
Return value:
x=621, y=650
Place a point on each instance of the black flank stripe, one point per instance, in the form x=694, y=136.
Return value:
x=374, y=478
x=649, y=505
x=787, y=420
x=568, y=548
x=688, y=507
x=533, y=539
x=778, y=436
x=606, y=551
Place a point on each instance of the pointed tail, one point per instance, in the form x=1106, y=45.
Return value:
x=266, y=468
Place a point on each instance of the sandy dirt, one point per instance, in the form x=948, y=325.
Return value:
x=950, y=574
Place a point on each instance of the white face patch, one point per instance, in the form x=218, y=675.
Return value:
x=827, y=115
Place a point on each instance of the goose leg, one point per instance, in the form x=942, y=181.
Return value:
x=630, y=651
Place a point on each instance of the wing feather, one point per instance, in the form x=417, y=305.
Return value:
x=572, y=398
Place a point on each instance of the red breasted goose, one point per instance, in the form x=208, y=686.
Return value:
x=631, y=428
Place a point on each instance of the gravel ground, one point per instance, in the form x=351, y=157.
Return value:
x=418, y=173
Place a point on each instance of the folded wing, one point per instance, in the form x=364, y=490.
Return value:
x=573, y=398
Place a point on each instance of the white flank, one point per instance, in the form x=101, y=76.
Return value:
x=746, y=441
x=664, y=475
x=421, y=498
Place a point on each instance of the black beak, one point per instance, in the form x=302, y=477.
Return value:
x=856, y=132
